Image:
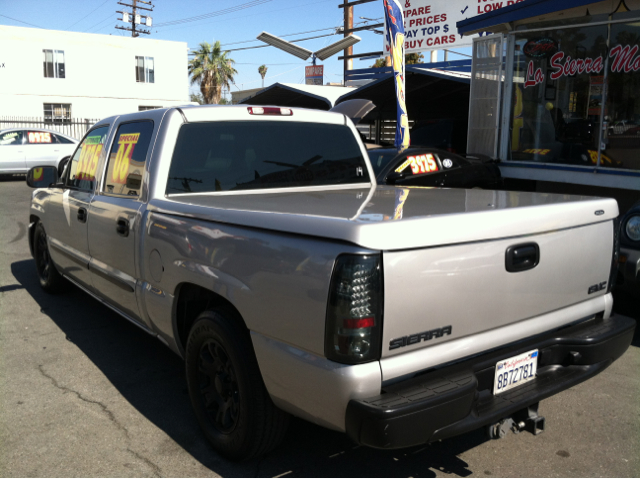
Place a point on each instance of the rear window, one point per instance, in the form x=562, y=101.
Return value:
x=245, y=155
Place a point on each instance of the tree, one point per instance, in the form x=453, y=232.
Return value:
x=212, y=69
x=196, y=97
x=262, y=69
x=413, y=58
x=409, y=59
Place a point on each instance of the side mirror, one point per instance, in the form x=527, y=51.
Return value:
x=42, y=176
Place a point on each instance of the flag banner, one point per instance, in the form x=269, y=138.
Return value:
x=394, y=23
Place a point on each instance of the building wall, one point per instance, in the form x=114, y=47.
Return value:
x=100, y=75
x=238, y=96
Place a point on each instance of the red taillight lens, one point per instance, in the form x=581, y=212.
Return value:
x=358, y=323
x=269, y=110
x=354, y=314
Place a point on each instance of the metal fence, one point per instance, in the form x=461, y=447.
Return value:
x=75, y=128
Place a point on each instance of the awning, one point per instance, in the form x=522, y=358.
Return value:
x=319, y=97
x=534, y=10
x=429, y=94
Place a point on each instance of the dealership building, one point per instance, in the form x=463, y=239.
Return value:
x=62, y=76
x=554, y=95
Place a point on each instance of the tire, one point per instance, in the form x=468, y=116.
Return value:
x=61, y=165
x=227, y=393
x=50, y=279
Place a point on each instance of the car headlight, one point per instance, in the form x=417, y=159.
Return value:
x=632, y=228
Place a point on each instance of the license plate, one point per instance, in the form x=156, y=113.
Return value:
x=515, y=371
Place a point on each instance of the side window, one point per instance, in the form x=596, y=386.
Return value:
x=39, y=137
x=11, y=138
x=127, y=158
x=84, y=164
x=62, y=139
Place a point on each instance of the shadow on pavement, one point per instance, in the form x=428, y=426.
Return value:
x=628, y=304
x=16, y=177
x=151, y=378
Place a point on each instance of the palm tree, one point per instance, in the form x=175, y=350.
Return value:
x=213, y=70
x=262, y=69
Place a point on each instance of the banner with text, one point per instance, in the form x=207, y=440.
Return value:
x=431, y=24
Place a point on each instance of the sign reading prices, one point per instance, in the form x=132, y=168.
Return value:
x=431, y=24
x=313, y=75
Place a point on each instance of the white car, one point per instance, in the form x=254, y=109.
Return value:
x=23, y=148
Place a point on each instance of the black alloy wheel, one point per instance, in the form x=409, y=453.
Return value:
x=227, y=392
x=50, y=279
x=218, y=386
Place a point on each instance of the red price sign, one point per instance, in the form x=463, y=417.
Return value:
x=126, y=144
x=423, y=164
x=39, y=137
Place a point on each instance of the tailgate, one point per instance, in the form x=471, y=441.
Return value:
x=467, y=286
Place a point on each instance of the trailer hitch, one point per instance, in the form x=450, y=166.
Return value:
x=526, y=419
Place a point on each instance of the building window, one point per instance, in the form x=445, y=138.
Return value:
x=53, y=63
x=144, y=70
x=145, y=108
x=57, y=113
x=574, y=96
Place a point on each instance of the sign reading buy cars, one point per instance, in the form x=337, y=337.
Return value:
x=431, y=24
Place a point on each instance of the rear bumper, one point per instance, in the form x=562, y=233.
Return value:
x=458, y=398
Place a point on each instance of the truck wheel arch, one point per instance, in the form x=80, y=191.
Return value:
x=190, y=301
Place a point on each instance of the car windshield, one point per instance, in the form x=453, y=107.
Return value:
x=381, y=158
x=244, y=155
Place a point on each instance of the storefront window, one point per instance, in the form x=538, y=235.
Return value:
x=621, y=144
x=558, y=85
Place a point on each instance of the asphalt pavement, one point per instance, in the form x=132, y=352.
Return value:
x=84, y=393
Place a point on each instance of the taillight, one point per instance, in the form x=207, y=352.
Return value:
x=269, y=110
x=354, y=314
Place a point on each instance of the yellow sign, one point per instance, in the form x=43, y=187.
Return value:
x=126, y=144
x=89, y=156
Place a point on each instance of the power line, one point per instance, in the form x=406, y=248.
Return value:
x=100, y=23
x=217, y=13
x=253, y=14
x=265, y=46
x=87, y=14
x=336, y=30
x=287, y=35
x=20, y=21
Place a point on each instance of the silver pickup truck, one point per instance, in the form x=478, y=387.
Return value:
x=255, y=243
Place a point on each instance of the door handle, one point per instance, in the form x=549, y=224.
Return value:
x=122, y=227
x=522, y=257
x=82, y=215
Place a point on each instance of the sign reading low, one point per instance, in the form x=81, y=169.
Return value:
x=313, y=75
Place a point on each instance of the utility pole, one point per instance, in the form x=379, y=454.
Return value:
x=135, y=18
x=348, y=30
x=348, y=26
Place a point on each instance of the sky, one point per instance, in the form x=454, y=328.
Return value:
x=235, y=23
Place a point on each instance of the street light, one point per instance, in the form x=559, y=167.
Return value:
x=285, y=45
x=334, y=48
x=303, y=53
